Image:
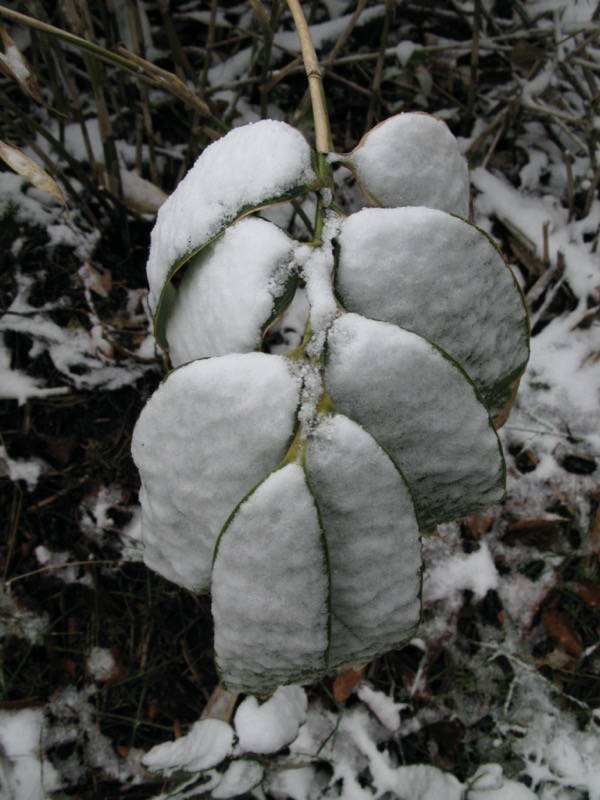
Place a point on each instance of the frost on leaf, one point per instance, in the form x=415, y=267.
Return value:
x=411, y=160
x=443, y=278
x=372, y=538
x=422, y=408
x=212, y=430
x=230, y=291
x=270, y=588
x=252, y=166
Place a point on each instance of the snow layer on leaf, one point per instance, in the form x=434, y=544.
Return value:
x=246, y=168
x=443, y=278
x=412, y=160
x=268, y=727
x=423, y=410
x=208, y=742
x=228, y=292
x=372, y=538
x=239, y=778
x=270, y=588
x=210, y=432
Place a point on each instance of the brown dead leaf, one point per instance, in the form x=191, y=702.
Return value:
x=479, y=524
x=560, y=630
x=345, y=682
x=15, y=66
x=589, y=592
x=96, y=281
x=541, y=532
x=28, y=169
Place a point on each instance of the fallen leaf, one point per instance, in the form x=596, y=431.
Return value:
x=560, y=630
x=589, y=592
x=479, y=524
x=541, y=532
x=345, y=682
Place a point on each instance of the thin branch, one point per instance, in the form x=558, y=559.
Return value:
x=315, y=79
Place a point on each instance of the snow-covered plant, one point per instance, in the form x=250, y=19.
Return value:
x=296, y=487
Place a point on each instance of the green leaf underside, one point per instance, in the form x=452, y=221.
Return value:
x=423, y=409
x=196, y=461
x=457, y=290
x=164, y=306
x=231, y=290
x=282, y=302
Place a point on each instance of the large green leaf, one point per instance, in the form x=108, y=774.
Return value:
x=270, y=592
x=418, y=403
x=230, y=290
x=444, y=278
x=250, y=167
x=411, y=159
x=373, y=541
x=212, y=430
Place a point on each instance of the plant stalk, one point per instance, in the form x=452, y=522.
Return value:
x=315, y=79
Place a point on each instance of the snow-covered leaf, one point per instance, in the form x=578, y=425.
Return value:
x=270, y=726
x=422, y=408
x=372, y=539
x=230, y=292
x=270, y=588
x=411, y=159
x=250, y=167
x=443, y=278
x=212, y=430
x=238, y=779
x=207, y=744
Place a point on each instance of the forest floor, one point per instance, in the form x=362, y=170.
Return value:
x=101, y=659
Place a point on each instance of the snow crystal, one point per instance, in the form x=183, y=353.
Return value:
x=207, y=744
x=412, y=159
x=228, y=292
x=270, y=726
x=212, y=430
x=246, y=168
x=270, y=588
